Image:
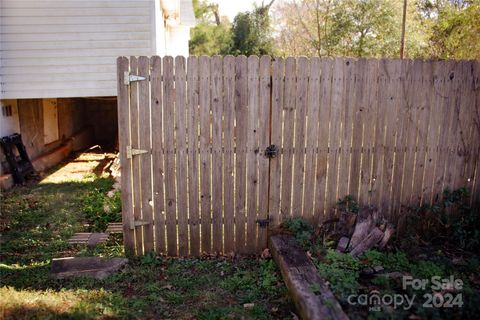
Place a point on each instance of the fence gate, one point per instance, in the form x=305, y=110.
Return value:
x=194, y=173
x=214, y=149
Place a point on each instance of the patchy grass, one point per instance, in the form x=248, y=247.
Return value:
x=36, y=222
x=151, y=287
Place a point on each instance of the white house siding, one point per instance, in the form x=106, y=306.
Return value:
x=68, y=48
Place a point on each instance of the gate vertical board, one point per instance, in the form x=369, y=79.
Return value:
x=229, y=153
x=278, y=86
x=134, y=144
x=217, y=152
x=169, y=150
x=157, y=153
x=145, y=159
x=263, y=112
x=193, y=134
x=181, y=156
x=252, y=151
x=241, y=152
x=193, y=176
x=205, y=154
x=126, y=164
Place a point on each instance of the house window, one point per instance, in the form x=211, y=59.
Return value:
x=9, y=120
x=50, y=120
x=7, y=110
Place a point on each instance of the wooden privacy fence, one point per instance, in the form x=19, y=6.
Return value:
x=213, y=148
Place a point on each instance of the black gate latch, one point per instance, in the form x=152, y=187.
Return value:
x=263, y=223
x=271, y=151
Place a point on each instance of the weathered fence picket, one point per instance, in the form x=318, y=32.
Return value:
x=193, y=136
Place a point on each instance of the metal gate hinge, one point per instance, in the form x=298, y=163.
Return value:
x=133, y=152
x=138, y=223
x=127, y=78
x=263, y=223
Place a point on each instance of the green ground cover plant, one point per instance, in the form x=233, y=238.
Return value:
x=437, y=241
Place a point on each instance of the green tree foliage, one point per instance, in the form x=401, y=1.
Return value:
x=212, y=33
x=371, y=28
x=445, y=29
x=252, y=33
x=455, y=28
x=358, y=28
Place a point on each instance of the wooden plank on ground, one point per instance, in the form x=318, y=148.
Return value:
x=125, y=164
x=169, y=125
x=146, y=158
x=278, y=87
x=263, y=120
x=216, y=83
x=313, y=109
x=134, y=143
x=287, y=140
x=300, y=275
x=241, y=123
x=193, y=176
x=229, y=153
x=181, y=154
x=205, y=154
x=157, y=153
x=303, y=71
x=252, y=152
x=323, y=134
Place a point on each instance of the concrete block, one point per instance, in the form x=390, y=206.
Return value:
x=94, y=267
x=6, y=182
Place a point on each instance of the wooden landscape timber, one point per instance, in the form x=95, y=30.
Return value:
x=312, y=297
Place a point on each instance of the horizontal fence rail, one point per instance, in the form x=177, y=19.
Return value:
x=194, y=132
